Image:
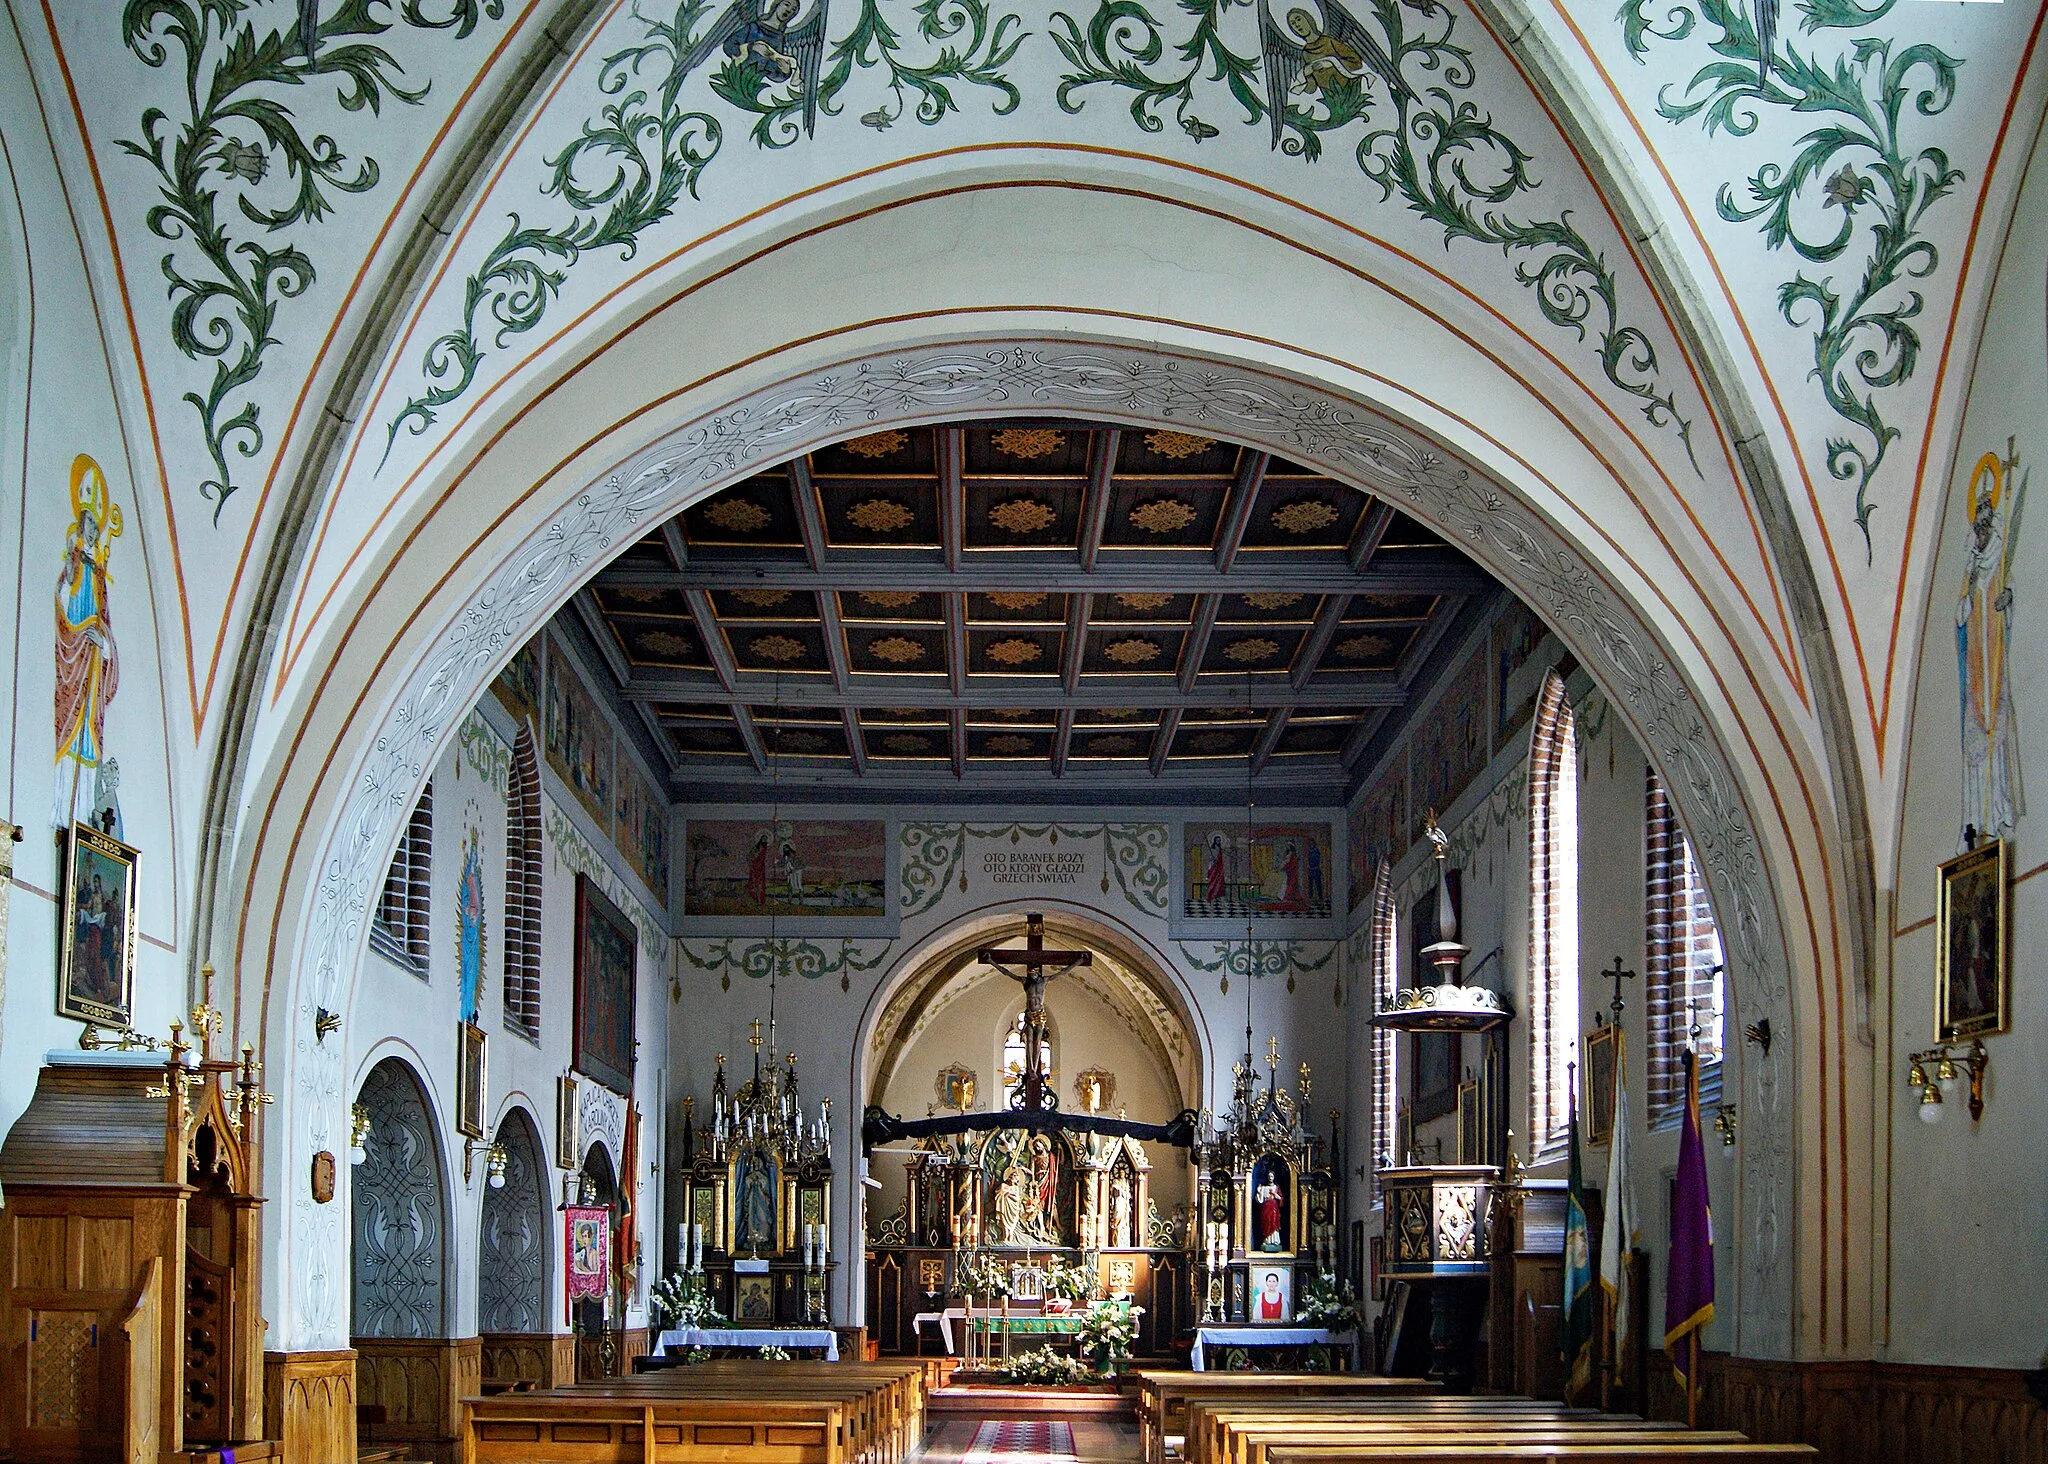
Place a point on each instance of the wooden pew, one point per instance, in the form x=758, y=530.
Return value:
x=1218, y=1433
x=1441, y=1450
x=1163, y=1397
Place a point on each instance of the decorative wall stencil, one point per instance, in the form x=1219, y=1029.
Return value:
x=399, y=1217
x=1303, y=516
x=934, y=854
x=511, y=1287
x=880, y=516
x=877, y=445
x=640, y=828
x=762, y=599
x=1259, y=959
x=896, y=650
x=1029, y=442
x=1132, y=651
x=1855, y=160
x=827, y=867
x=483, y=754
x=1014, y=652
x=1163, y=515
x=1277, y=870
x=88, y=661
x=233, y=265
x=1021, y=515
x=790, y=956
x=577, y=856
x=650, y=148
x=738, y=515
x=777, y=648
x=1253, y=650
x=1177, y=445
x=888, y=599
x=1142, y=599
x=471, y=935
x=1016, y=599
x=1994, y=792
x=579, y=738
x=1303, y=421
x=1423, y=138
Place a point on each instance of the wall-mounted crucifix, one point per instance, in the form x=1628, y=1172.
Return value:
x=1033, y=966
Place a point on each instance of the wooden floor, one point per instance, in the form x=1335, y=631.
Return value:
x=1095, y=1441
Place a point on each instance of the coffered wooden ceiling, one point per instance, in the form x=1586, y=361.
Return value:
x=1026, y=603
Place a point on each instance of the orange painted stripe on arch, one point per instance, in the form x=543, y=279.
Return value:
x=476, y=405
x=1792, y=843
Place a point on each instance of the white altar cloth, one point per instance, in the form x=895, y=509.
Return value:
x=823, y=1337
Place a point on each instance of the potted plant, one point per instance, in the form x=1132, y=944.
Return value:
x=1327, y=1302
x=1106, y=1334
x=681, y=1299
x=1068, y=1285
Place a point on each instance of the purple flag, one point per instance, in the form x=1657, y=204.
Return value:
x=1689, y=1283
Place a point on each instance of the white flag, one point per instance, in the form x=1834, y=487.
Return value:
x=1619, y=1233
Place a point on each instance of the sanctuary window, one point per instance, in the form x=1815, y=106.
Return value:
x=1386, y=975
x=1013, y=1056
x=1683, y=959
x=1553, y=915
x=399, y=927
x=522, y=890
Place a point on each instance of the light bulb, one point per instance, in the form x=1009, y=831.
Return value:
x=1930, y=1104
x=497, y=1179
x=1945, y=1075
x=357, y=1153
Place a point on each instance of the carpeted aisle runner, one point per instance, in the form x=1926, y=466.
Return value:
x=1021, y=1441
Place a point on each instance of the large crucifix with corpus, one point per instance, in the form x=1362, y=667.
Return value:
x=1033, y=967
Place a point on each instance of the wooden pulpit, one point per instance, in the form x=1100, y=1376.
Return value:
x=131, y=1237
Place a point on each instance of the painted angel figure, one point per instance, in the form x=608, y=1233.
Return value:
x=1310, y=56
x=88, y=664
x=1994, y=795
x=770, y=37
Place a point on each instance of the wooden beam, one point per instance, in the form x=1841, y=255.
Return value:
x=835, y=639
x=1101, y=480
x=1324, y=572
x=750, y=734
x=1306, y=781
x=810, y=518
x=592, y=616
x=678, y=546
x=1372, y=528
x=1078, y=608
x=1316, y=644
x=1335, y=689
x=952, y=450
x=663, y=743
x=1269, y=738
x=1237, y=512
x=956, y=643
x=1162, y=740
x=1368, y=727
x=1062, y=740
x=705, y=614
x=959, y=740
x=1195, y=649
x=855, y=743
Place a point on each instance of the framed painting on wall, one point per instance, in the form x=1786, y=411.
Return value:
x=1972, y=970
x=606, y=948
x=96, y=969
x=469, y=1079
x=1597, y=1083
x=567, y=1127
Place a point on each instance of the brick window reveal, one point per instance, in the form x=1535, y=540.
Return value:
x=1386, y=975
x=522, y=889
x=1553, y=914
x=399, y=928
x=1682, y=959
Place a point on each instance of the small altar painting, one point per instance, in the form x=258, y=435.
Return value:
x=1272, y=1294
x=955, y=1087
x=1272, y=1201
x=825, y=867
x=1030, y=1184
x=1275, y=870
x=753, y=1298
x=1971, y=961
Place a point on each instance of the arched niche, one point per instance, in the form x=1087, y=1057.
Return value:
x=515, y=1238
x=398, y=1218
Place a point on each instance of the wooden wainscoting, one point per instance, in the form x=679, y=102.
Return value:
x=309, y=1405
x=545, y=1359
x=1854, y=1412
x=419, y=1383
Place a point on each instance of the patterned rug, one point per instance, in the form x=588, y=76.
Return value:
x=1021, y=1441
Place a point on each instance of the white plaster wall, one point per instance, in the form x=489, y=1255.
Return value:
x=1968, y=1203
x=57, y=400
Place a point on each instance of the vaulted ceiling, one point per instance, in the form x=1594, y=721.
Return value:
x=1009, y=604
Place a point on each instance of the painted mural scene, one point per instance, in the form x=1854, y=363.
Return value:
x=1023, y=731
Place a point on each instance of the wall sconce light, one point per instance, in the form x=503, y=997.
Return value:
x=494, y=1162
x=1946, y=1078
x=1724, y=1124
x=325, y=1023
x=358, y=1134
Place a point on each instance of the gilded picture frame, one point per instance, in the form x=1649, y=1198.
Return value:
x=96, y=963
x=1972, y=953
x=470, y=1049
x=1597, y=1083
x=567, y=1150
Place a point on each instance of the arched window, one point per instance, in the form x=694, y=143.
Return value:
x=1386, y=975
x=399, y=927
x=1553, y=914
x=522, y=890
x=1682, y=957
x=1013, y=1056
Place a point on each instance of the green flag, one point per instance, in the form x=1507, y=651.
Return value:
x=1576, y=1316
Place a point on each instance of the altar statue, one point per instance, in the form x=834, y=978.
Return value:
x=1120, y=1213
x=754, y=1219
x=1269, y=1199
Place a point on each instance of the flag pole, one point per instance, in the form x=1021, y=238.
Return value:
x=1607, y=1363
x=1692, y=1383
